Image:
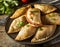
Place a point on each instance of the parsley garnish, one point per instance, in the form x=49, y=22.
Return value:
x=40, y=28
x=27, y=25
x=32, y=18
x=20, y=24
x=52, y=15
x=53, y=19
x=34, y=11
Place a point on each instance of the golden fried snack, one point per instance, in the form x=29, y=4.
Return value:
x=46, y=8
x=17, y=24
x=44, y=33
x=33, y=17
x=20, y=12
x=26, y=32
x=53, y=18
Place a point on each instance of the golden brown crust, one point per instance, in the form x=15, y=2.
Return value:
x=44, y=34
x=20, y=11
x=53, y=18
x=46, y=8
x=34, y=22
x=26, y=32
x=15, y=27
x=28, y=17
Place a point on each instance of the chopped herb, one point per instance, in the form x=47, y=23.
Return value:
x=52, y=15
x=20, y=24
x=1, y=0
x=53, y=19
x=7, y=6
x=42, y=4
x=27, y=25
x=33, y=11
x=40, y=28
x=9, y=10
x=32, y=18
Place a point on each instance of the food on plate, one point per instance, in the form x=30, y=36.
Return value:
x=44, y=33
x=17, y=24
x=33, y=16
x=46, y=8
x=53, y=18
x=20, y=12
x=37, y=21
x=26, y=32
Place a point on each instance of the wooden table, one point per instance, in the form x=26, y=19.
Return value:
x=6, y=41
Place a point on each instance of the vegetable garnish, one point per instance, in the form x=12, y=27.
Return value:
x=52, y=14
x=27, y=25
x=20, y=24
x=7, y=6
x=34, y=11
x=40, y=28
x=1, y=0
x=25, y=1
x=53, y=19
x=32, y=18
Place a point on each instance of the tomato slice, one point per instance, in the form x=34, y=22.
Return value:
x=25, y=1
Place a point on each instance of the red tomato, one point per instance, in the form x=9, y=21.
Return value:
x=25, y=1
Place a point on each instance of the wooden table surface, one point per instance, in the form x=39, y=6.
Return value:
x=6, y=41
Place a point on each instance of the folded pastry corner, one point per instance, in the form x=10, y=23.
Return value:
x=33, y=16
x=26, y=32
x=20, y=12
x=43, y=33
x=53, y=18
x=17, y=24
x=46, y=8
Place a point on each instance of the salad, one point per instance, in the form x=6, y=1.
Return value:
x=7, y=6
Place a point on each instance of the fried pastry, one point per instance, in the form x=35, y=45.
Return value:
x=53, y=18
x=17, y=24
x=20, y=12
x=44, y=33
x=26, y=32
x=46, y=8
x=33, y=16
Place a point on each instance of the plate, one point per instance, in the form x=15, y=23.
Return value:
x=28, y=41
